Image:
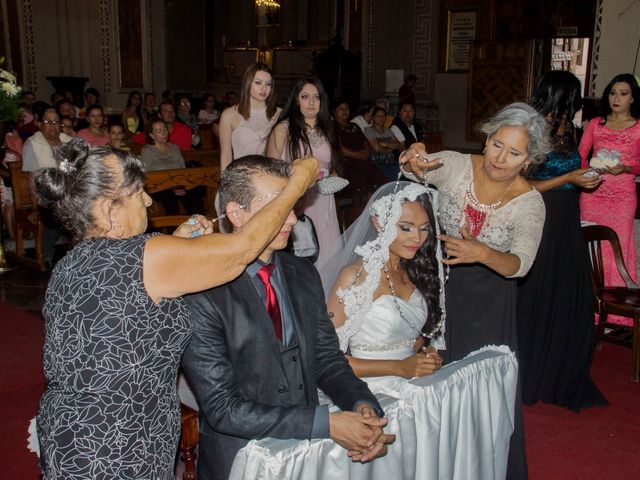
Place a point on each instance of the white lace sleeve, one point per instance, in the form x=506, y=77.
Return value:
x=454, y=165
x=528, y=221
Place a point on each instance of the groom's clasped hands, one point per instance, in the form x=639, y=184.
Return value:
x=360, y=433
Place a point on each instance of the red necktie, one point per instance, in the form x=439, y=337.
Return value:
x=273, y=309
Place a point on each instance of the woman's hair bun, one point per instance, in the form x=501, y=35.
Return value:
x=72, y=155
x=51, y=185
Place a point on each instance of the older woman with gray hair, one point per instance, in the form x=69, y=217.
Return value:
x=492, y=219
x=115, y=325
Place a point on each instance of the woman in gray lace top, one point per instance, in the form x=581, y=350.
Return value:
x=493, y=222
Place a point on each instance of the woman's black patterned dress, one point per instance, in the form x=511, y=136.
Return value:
x=110, y=410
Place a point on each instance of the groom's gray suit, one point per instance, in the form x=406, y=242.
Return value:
x=248, y=384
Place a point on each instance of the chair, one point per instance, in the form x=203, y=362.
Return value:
x=24, y=212
x=186, y=178
x=189, y=437
x=624, y=301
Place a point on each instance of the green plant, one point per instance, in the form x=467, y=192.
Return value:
x=10, y=95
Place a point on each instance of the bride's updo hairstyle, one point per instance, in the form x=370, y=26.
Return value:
x=422, y=270
x=82, y=177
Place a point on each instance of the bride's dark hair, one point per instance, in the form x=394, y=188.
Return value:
x=422, y=270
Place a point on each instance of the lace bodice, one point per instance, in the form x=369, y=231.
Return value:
x=515, y=227
x=385, y=332
x=626, y=142
x=384, y=335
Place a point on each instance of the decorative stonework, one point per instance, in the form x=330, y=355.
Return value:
x=369, y=61
x=595, y=57
x=422, y=42
x=148, y=77
x=105, y=43
x=31, y=73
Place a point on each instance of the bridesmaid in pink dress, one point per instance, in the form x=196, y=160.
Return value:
x=244, y=128
x=614, y=202
x=305, y=128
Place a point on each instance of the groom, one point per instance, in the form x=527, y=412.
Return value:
x=263, y=343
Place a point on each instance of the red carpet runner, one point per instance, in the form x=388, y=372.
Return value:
x=21, y=384
x=599, y=443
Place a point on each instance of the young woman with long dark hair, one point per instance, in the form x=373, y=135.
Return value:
x=244, y=128
x=615, y=135
x=305, y=128
x=386, y=301
x=555, y=300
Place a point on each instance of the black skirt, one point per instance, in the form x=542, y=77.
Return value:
x=481, y=310
x=556, y=313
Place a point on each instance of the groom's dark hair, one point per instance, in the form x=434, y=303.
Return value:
x=236, y=181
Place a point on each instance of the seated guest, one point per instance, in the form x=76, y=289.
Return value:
x=56, y=97
x=365, y=111
x=91, y=97
x=383, y=103
x=39, y=152
x=384, y=145
x=67, y=109
x=355, y=152
x=404, y=127
x=168, y=96
x=208, y=113
x=149, y=108
x=132, y=114
x=276, y=310
x=95, y=135
x=39, y=149
x=160, y=154
x=184, y=114
x=179, y=133
x=231, y=98
x=117, y=137
x=66, y=125
x=405, y=94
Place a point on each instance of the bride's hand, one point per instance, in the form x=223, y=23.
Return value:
x=419, y=364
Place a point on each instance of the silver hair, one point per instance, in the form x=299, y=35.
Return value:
x=522, y=115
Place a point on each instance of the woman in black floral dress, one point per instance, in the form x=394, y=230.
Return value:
x=115, y=325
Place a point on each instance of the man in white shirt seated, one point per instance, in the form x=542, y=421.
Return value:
x=404, y=127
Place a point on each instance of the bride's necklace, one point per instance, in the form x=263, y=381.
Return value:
x=435, y=332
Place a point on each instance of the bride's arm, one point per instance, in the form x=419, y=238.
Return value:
x=416, y=365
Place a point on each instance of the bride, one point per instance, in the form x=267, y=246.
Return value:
x=384, y=289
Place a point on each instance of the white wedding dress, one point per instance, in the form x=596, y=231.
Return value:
x=385, y=335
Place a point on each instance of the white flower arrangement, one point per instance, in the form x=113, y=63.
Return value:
x=10, y=95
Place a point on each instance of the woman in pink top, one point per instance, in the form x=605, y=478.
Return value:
x=614, y=202
x=305, y=128
x=95, y=135
x=244, y=128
